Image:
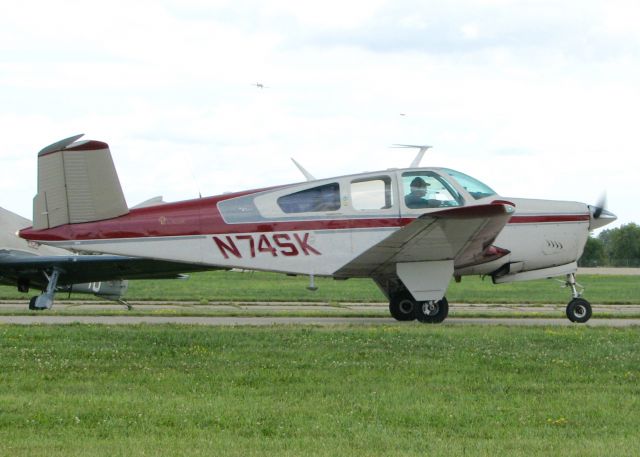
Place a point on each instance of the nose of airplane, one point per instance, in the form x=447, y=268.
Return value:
x=600, y=217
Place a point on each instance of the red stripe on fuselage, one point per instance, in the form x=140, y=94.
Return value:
x=182, y=226
x=549, y=218
x=201, y=217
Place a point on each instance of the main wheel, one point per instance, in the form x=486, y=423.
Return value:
x=32, y=302
x=579, y=310
x=432, y=312
x=402, y=307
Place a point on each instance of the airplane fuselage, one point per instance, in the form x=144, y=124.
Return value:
x=265, y=230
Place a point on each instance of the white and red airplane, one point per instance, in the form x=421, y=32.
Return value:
x=410, y=230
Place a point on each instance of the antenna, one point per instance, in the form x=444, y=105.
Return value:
x=421, y=150
x=307, y=175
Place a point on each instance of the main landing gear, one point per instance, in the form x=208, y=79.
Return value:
x=578, y=309
x=404, y=307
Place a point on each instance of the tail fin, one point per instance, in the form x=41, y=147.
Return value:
x=77, y=182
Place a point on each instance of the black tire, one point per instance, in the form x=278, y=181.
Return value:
x=32, y=302
x=434, y=314
x=403, y=307
x=579, y=310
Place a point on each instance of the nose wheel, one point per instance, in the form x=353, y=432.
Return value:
x=578, y=309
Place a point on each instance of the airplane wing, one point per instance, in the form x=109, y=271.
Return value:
x=76, y=269
x=461, y=234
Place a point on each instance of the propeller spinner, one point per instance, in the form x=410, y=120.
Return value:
x=599, y=215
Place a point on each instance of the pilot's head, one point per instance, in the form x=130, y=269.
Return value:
x=419, y=187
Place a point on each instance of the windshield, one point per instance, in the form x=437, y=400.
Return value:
x=475, y=188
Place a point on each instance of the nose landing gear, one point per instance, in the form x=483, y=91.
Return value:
x=578, y=309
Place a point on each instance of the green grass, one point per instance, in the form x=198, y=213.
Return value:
x=289, y=391
x=257, y=286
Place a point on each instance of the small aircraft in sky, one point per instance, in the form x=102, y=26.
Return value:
x=410, y=230
x=30, y=265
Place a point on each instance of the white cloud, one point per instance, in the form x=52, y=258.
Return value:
x=470, y=31
x=537, y=99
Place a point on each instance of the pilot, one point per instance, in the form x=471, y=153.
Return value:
x=416, y=199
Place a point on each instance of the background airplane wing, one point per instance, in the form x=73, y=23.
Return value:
x=460, y=234
x=75, y=269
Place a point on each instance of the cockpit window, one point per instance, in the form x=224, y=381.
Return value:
x=321, y=198
x=477, y=189
x=426, y=189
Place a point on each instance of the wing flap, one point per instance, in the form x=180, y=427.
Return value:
x=458, y=234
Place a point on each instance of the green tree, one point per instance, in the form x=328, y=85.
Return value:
x=594, y=253
x=625, y=246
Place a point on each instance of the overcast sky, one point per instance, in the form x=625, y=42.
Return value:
x=538, y=99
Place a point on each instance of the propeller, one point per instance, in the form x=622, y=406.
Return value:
x=599, y=214
x=600, y=206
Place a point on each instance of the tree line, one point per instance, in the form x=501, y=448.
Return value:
x=618, y=247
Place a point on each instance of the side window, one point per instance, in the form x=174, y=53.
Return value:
x=425, y=189
x=321, y=198
x=372, y=193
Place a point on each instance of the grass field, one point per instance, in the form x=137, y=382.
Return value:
x=290, y=391
x=257, y=286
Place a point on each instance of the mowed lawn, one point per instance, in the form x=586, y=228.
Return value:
x=291, y=391
x=256, y=286
x=260, y=286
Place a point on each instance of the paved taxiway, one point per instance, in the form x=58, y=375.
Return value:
x=493, y=314
x=314, y=321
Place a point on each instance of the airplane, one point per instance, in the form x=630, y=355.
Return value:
x=410, y=230
x=27, y=265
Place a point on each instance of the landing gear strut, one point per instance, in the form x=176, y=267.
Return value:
x=578, y=309
x=45, y=300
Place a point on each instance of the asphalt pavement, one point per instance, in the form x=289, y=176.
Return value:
x=615, y=315
x=312, y=321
